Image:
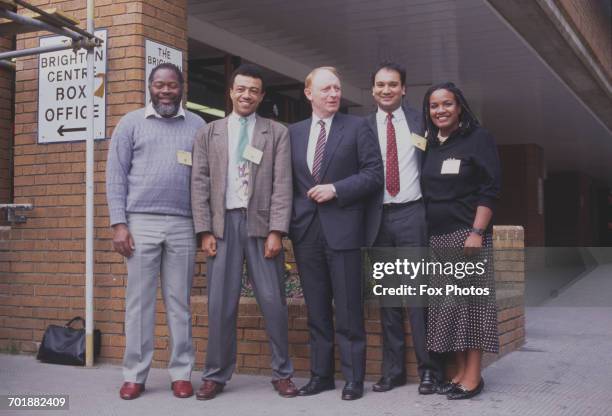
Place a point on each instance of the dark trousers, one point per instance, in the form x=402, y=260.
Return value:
x=405, y=226
x=328, y=275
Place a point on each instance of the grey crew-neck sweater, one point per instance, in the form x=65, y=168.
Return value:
x=143, y=174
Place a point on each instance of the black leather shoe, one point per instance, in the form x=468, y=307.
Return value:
x=461, y=393
x=352, y=390
x=389, y=383
x=428, y=383
x=446, y=387
x=317, y=385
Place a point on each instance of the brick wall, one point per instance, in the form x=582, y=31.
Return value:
x=6, y=125
x=593, y=24
x=22, y=330
x=42, y=262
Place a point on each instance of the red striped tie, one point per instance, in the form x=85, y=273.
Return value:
x=392, y=167
x=319, y=151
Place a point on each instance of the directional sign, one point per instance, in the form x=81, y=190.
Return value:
x=157, y=53
x=62, y=92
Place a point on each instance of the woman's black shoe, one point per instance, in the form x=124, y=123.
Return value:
x=445, y=388
x=460, y=392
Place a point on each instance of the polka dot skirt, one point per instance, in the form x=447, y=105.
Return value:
x=457, y=323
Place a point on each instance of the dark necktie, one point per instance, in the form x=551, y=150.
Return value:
x=319, y=152
x=392, y=179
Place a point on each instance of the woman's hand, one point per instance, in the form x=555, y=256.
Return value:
x=473, y=244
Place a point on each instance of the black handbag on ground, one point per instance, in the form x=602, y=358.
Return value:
x=66, y=345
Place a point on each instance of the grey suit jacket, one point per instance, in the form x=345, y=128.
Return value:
x=270, y=183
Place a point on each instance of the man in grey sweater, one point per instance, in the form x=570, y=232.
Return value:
x=148, y=178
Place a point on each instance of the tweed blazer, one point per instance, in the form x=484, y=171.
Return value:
x=270, y=182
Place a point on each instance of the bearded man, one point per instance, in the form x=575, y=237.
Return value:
x=148, y=179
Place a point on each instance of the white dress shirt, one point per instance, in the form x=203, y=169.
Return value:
x=315, y=129
x=237, y=188
x=410, y=188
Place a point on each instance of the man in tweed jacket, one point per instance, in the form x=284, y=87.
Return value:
x=241, y=194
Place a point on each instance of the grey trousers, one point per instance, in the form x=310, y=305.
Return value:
x=165, y=246
x=405, y=227
x=224, y=273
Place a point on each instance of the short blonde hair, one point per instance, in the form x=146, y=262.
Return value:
x=310, y=76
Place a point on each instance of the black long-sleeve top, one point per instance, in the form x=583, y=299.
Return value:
x=452, y=199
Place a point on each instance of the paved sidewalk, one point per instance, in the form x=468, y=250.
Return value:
x=565, y=368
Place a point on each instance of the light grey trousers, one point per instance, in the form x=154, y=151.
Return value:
x=224, y=273
x=165, y=247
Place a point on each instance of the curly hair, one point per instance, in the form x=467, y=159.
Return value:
x=467, y=120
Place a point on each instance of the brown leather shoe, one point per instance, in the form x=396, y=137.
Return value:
x=209, y=390
x=182, y=389
x=131, y=391
x=285, y=387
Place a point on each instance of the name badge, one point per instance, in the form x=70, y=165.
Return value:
x=419, y=142
x=183, y=157
x=252, y=154
x=450, y=167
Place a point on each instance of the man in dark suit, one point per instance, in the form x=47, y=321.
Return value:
x=398, y=220
x=336, y=167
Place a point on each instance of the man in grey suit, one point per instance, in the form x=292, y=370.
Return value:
x=398, y=220
x=241, y=198
x=336, y=167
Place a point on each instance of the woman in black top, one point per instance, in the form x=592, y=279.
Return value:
x=460, y=182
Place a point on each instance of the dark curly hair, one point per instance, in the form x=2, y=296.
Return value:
x=467, y=119
x=171, y=67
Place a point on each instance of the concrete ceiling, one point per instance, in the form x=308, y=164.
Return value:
x=515, y=93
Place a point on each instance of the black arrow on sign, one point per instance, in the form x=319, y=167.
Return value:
x=61, y=130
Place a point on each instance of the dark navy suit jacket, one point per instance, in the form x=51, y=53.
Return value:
x=352, y=162
x=374, y=205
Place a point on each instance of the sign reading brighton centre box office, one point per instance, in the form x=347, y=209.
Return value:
x=62, y=92
x=157, y=53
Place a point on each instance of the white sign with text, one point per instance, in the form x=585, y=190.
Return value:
x=155, y=54
x=62, y=92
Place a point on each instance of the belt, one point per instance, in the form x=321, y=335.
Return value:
x=241, y=210
x=392, y=205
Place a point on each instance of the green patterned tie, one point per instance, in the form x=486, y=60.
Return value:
x=243, y=139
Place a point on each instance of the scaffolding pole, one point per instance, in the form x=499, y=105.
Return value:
x=89, y=196
x=8, y=65
x=59, y=22
x=28, y=21
x=40, y=49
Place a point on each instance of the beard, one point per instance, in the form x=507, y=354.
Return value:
x=166, y=110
